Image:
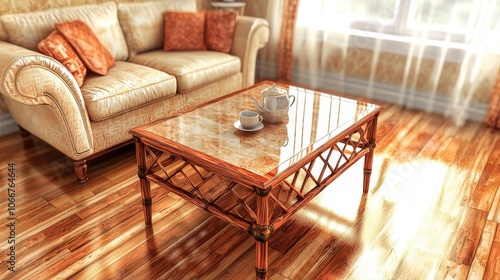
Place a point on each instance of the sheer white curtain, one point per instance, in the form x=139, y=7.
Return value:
x=437, y=55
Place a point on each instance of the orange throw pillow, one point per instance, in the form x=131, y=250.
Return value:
x=184, y=31
x=219, y=31
x=95, y=56
x=56, y=46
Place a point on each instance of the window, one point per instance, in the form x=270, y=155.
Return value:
x=448, y=20
x=445, y=14
x=393, y=26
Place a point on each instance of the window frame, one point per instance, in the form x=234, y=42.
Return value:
x=397, y=35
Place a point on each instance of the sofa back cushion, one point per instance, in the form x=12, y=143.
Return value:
x=143, y=22
x=27, y=29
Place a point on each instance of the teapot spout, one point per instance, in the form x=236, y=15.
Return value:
x=258, y=107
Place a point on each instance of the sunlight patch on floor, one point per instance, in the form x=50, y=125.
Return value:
x=336, y=208
x=408, y=190
x=416, y=194
x=326, y=223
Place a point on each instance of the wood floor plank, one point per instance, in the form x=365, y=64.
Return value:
x=397, y=131
x=432, y=212
x=140, y=245
x=475, y=157
x=169, y=255
x=488, y=185
x=419, y=135
x=87, y=245
x=295, y=265
x=478, y=267
x=243, y=267
x=452, y=270
x=429, y=248
x=201, y=260
x=468, y=235
x=41, y=242
x=494, y=214
x=289, y=234
x=223, y=258
x=493, y=264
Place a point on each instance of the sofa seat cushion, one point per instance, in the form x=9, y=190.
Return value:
x=192, y=69
x=127, y=86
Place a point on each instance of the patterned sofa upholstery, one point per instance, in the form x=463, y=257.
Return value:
x=145, y=84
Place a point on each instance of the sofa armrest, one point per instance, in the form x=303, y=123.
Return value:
x=44, y=99
x=250, y=35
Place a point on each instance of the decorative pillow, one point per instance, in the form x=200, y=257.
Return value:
x=95, y=56
x=143, y=22
x=56, y=46
x=184, y=31
x=219, y=31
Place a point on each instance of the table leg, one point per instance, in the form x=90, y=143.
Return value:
x=140, y=153
x=262, y=234
x=261, y=261
x=372, y=134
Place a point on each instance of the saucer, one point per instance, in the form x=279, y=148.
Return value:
x=237, y=124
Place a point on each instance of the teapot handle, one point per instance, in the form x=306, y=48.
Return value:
x=286, y=143
x=290, y=96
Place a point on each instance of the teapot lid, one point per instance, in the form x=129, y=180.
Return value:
x=274, y=90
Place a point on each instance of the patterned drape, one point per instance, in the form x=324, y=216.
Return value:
x=285, y=53
x=493, y=117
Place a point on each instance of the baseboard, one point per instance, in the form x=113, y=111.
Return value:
x=476, y=111
x=7, y=124
x=423, y=100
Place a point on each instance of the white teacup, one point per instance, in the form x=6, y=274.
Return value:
x=250, y=119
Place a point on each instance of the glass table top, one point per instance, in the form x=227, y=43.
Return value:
x=313, y=119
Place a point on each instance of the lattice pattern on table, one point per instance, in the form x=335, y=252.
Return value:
x=318, y=173
x=206, y=188
x=212, y=191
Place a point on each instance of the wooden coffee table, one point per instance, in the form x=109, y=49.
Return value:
x=256, y=180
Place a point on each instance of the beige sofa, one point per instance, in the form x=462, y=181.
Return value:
x=145, y=84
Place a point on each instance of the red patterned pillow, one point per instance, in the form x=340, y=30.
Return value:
x=56, y=46
x=184, y=31
x=219, y=31
x=95, y=56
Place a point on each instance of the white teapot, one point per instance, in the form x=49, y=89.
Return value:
x=275, y=104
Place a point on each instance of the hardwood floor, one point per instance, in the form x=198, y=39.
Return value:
x=432, y=212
